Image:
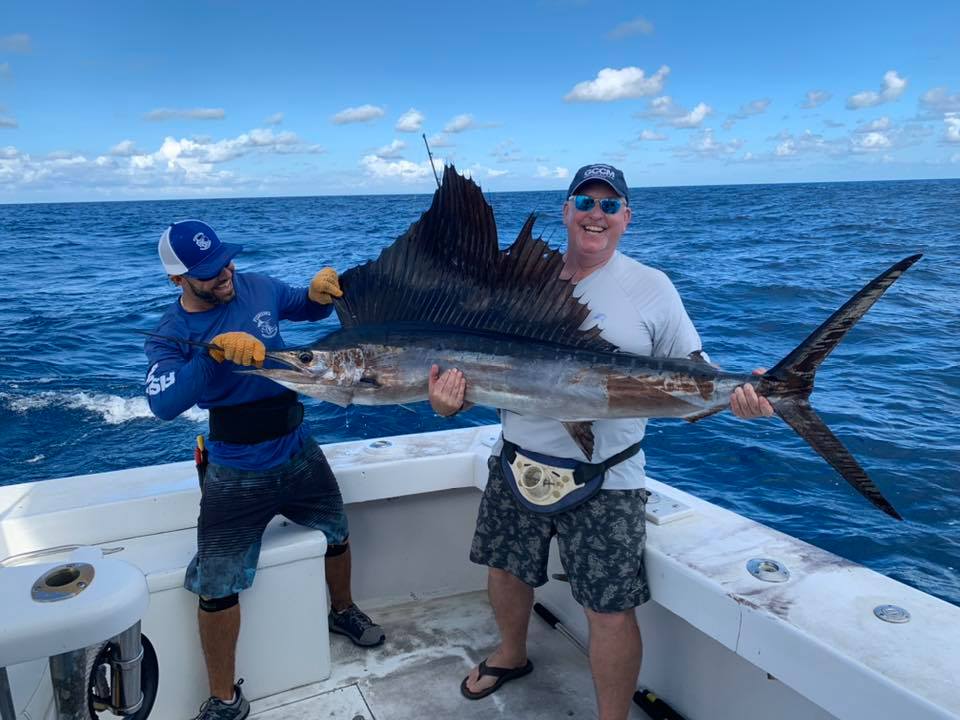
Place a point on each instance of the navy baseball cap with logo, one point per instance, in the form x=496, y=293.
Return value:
x=600, y=172
x=192, y=248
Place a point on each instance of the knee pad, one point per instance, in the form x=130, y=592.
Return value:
x=213, y=605
x=334, y=550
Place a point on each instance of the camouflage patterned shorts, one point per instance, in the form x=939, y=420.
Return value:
x=601, y=543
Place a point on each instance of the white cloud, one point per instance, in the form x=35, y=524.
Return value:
x=939, y=100
x=952, y=121
x=663, y=106
x=5, y=71
x=558, y=172
x=879, y=137
x=652, y=135
x=786, y=149
x=161, y=114
x=18, y=43
x=638, y=26
x=667, y=111
x=464, y=122
x=815, y=98
x=693, y=118
x=882, y=123
x=611, y=84
x=704, y=145
x=403, y=170
x=871, y=142
x=893, y=87
x=221, y=151
x=440, y=140
x=460, y=123
x=754, y=107
x=478, y=171
x=179, y=166
x=410, y=121
x=274, y=119
x=807, y=142
x=364, y=113
x=124, y=148
x=392, y=150
x=8, y=122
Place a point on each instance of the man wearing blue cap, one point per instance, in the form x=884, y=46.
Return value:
x=601, y=540
x=262, y=460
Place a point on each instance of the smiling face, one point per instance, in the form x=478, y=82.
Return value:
x=205, y=294
x=592, y=235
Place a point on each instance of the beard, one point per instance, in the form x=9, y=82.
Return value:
x=211, y=296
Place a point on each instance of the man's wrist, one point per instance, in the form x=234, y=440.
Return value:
x=451, y=414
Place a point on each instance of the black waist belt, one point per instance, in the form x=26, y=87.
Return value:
x=583, y=472
x=257, y=421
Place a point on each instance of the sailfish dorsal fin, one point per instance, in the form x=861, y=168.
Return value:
x=448, y=269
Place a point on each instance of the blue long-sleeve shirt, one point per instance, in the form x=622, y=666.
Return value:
x=181, y=376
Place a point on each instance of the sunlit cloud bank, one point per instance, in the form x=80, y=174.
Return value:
x=185, y=166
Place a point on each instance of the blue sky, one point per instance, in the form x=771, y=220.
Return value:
x=128, y=100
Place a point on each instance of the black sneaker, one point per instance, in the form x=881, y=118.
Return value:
x=356, y=625
x=217, y=709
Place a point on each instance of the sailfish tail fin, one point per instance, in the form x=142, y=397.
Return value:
x=801, y=417
x=790, y=383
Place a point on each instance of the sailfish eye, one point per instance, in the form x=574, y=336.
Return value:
x=306, y=357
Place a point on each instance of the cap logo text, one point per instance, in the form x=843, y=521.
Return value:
x=599, y=171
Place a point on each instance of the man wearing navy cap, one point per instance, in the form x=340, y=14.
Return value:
x=600, y=540
x=262, y=459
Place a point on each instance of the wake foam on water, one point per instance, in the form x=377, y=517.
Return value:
x=113, y=409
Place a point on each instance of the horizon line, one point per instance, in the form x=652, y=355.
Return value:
x=485, y=192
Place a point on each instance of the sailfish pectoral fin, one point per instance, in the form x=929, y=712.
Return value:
x=801, y=417
x=582, y=434
x=337, y=395
x=705, y=414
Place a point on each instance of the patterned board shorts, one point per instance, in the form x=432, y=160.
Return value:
x=601, y=543
x=237, y=505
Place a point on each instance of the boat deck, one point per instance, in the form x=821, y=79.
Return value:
x=431, y=646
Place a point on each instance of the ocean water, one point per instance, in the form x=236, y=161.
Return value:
x=758, y=267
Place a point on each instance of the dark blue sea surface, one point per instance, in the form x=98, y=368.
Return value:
x=758, y=267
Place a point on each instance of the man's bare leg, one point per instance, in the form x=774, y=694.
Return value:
x=615, y=654
x=512, y=601
x=218, y=636
x=337, y=569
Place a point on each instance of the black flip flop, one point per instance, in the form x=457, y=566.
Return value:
x=503, y=675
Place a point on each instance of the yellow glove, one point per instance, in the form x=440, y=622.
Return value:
x=240, y=348
x=325, y=286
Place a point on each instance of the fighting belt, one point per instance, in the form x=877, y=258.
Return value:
x=546, y=484
x=257, y=421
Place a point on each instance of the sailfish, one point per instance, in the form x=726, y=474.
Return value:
x=445, y=292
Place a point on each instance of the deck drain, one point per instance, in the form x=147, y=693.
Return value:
x=768, y=570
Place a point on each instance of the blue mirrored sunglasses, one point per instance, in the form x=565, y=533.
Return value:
x=585, y=203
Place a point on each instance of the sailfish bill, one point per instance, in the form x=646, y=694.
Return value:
x=444, y=292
